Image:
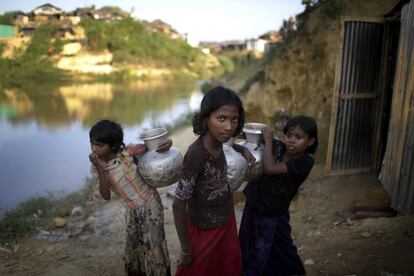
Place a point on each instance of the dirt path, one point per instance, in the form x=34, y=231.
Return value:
x=328, y=243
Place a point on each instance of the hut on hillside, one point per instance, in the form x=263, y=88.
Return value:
x=47, y=12
x=372, y=119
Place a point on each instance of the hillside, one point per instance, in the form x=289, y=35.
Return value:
x=120, y=50
x=300, y=73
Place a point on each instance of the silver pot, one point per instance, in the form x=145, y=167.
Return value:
x=159, y=169
x=254, y=143
x=236, y=165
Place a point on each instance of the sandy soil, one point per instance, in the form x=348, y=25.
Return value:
x=328, y=241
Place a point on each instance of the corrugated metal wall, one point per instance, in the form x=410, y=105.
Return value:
x=357, y=95
x=397, y=172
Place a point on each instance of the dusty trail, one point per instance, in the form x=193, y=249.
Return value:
x=328, y=243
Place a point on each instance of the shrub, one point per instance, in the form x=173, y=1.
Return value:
x=258, y=77
x=41, y=43
x=33, y=65
x=7, y=18
x=2, y=47
x=206, y=86
x=130, y=41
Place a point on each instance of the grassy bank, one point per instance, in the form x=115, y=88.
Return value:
x=126, y=75
x=244, y=74
x=28, y=216
x=33, y=64
x=131, y=43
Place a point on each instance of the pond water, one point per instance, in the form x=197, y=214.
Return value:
x=44, y=131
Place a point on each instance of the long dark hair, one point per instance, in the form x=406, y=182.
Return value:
x=213, y=100
x=108, y=132
x=308, y=125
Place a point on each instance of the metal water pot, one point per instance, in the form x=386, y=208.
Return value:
x=159, y=169
x=255, y=144
x=236, y=165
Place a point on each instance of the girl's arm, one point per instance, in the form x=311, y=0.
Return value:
x=246, y=154
x=270, y=166
x=165, y=145
x=104, y=184
x=183, y=193
x=138, y=149
x=181, y=222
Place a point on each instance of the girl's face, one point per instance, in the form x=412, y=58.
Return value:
x=100, y=149
x=223, y=122
x=297, y=141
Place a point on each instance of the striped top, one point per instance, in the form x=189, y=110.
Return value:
x=125, y=181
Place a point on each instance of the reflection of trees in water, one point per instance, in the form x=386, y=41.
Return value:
x=50, y=110
x=12, y=104
x=42, y=104
x=131, y=104
x=59, y=106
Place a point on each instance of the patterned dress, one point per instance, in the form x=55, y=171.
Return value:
x=146, y=250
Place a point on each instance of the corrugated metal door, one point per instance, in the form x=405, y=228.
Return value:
x=356, y=95
x=397, y=172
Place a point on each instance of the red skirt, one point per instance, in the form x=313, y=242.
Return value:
x=214, y=251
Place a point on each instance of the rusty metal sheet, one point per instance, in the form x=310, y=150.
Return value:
x=357, y=92
x=397, y=173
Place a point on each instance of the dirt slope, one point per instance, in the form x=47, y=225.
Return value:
x=301, y=71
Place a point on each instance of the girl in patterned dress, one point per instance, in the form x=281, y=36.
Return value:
x=116, y=171
x=203, y=207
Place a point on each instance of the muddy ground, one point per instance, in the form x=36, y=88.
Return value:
x=330, y=242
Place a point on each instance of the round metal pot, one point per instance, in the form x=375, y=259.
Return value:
x=236, y=165
x=159, y=169
x=254, y=143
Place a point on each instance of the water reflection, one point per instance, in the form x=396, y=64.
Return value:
x=44, y=140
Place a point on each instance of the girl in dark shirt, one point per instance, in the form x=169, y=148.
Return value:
x=265, y=233
x=203, y=207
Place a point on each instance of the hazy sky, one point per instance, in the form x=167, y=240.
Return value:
x=209, y=20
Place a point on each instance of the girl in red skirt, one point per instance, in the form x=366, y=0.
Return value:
x=203, y=208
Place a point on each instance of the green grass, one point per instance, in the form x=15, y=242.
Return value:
x=243, y=76
x=33, y=65
x=258, y=77
x=2, y=47
x=131, y=42
x=206, y=86
x=37, y=212
x=7, y=18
